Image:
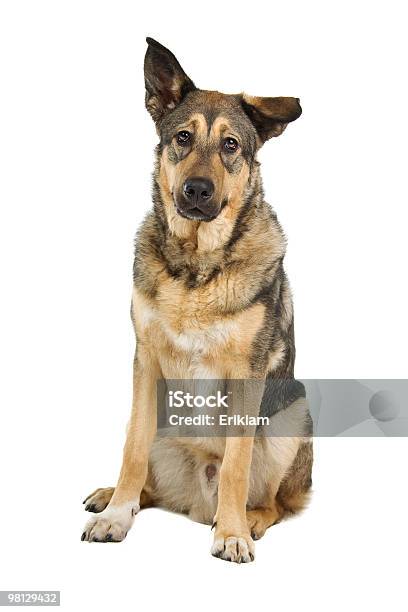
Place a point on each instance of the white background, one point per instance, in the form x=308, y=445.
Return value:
x=76, y=157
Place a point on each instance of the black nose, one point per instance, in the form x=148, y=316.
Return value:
x=198, y=189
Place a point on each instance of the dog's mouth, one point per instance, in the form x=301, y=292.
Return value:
x=195, y=214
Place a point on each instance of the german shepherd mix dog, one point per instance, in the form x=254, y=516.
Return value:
x=211, y=301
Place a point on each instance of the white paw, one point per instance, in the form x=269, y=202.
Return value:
x=236, y=549
x=112, y=524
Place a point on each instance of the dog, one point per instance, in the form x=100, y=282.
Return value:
x=211, y=301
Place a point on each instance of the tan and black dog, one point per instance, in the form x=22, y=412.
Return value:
x=210, y=300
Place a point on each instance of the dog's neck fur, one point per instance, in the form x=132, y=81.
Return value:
x=197, y=252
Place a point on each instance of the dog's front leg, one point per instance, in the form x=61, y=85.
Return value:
x=232, y=539
x=113, y=523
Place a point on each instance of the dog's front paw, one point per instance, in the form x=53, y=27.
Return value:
x=112, y=524
x=236, y=546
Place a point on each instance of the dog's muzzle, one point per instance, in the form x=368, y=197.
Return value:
x=196, y=202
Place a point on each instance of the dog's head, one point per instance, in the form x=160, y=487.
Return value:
x=208, y=140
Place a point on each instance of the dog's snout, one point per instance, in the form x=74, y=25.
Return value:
x=196, y=199
x=198, y=189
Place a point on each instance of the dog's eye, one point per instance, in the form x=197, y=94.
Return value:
x=183, y=138
x=230, y=145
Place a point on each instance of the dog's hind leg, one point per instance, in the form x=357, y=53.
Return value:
x=98, y=500
x=283, y=466
x=261, y=518
x=294, y=491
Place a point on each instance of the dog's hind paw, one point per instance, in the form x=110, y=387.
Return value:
x=237, y=549
x=260, y=519
x=112, y=524
x=98, y=500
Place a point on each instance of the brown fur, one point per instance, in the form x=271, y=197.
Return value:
x=211, y=300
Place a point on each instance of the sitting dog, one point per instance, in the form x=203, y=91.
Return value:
x=211, y=301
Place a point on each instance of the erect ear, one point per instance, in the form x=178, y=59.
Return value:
x=270, y=116
x=165, y=80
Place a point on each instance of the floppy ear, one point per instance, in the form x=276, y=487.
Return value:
x=165, y=80
x=270, y=116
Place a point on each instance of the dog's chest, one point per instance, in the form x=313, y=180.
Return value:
x=190, y=337
x=188, y=340
x=197, y=351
